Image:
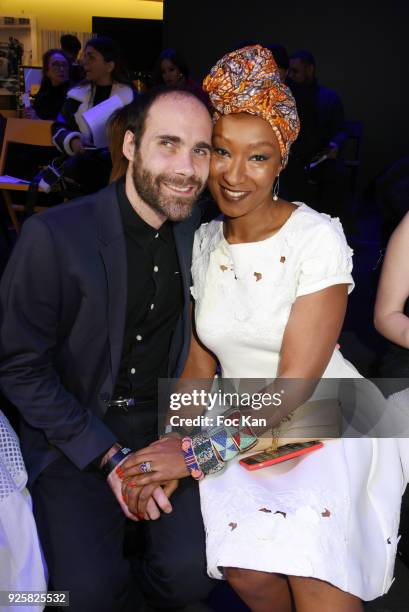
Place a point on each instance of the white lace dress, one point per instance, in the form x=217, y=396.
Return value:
x=22, y=566
x=334, y=514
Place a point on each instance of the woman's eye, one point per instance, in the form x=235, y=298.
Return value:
x=258, y=158
x=220, y=151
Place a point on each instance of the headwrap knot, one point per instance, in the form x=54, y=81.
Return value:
x=248, y=81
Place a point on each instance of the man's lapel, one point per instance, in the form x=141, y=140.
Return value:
x=113, y=252
x=184, y=234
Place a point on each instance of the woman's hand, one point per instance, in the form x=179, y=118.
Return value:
x=79, y=144
x=164, y=458
x=76, y=146
x=148, y=502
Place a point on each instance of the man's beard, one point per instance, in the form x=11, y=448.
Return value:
x=148, y=187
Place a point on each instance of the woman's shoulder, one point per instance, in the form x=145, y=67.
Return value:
x=310, y=222
x=402, y=229
x=123, y=91
x=80, y=92
x=208, y=235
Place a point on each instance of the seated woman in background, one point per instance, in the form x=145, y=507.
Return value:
x=392, y=321
x=120, y=121
x=54, y=86
x=392, y=303
x=105, y=77
x=172, y=71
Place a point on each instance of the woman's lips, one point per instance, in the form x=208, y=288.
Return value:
x=233, y=195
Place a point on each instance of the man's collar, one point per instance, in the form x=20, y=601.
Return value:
x=133, y=223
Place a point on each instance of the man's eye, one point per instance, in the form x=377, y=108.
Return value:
x=201, y=152
x=167, y=143
x=258, y=158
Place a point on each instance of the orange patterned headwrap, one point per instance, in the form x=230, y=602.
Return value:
x=248, y=81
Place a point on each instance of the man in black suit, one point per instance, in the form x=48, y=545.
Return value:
x=95, y=308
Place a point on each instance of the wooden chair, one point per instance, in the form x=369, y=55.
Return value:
x=26, y=132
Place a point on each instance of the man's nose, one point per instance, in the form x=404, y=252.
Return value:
x=184, y=164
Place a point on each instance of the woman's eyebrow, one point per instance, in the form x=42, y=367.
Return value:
x=258, y=143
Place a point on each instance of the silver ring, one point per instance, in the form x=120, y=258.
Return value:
x=145, y=467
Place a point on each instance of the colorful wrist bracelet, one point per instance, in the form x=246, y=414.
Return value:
x=190, y=459
x=115, y=460
x=243, y=435
x=205, y=454
x=223, y=442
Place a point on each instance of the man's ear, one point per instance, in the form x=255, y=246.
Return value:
x=311, y=71
x=128, y=146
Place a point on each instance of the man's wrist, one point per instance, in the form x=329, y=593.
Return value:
x=110, y=453
x=113, y=458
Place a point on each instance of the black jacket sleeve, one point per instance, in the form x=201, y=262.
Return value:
x=65, y=128
x=30, y=305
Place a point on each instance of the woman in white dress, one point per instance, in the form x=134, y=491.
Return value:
x=270, y=283
x=22, y=565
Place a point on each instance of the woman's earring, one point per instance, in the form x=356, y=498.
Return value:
x=276, y=188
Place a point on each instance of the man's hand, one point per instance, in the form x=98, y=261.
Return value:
x=116, y=485
x=147, y=502
x=332, y=152
x=165, y=459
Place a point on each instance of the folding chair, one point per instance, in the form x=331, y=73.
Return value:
x=26, y=132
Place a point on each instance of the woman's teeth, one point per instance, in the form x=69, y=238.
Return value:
x=235, y=195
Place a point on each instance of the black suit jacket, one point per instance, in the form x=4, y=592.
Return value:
x=63, y=301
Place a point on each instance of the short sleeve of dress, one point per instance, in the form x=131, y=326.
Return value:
x=194, y=270
x=206, y=238
x=326, y=259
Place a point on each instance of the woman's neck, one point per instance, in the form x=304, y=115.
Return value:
x=103, y=82
x=258, y=224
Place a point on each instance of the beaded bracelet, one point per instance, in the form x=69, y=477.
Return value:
x=243, y=435
x=223, y=442
x=190, y=458
x=205, y=454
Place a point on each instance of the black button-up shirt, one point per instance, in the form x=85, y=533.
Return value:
x=154, y=304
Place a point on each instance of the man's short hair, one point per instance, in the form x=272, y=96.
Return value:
x=304, y=55
x=142, y=104
x=70, y=43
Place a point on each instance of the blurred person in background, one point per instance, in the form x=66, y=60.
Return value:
x=172, y=71
x=322, y=134
x=105, y=76
x=4, y=65
x=392, y=303
x=120, y=121
x=281, y=58
x=71, y=47
x=54, y=86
